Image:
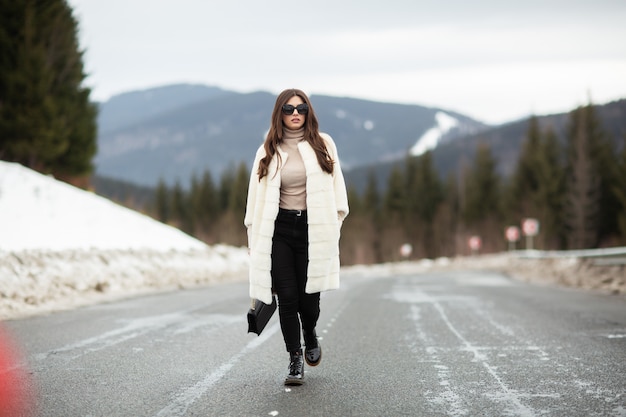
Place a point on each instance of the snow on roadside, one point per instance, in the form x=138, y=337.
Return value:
x=39, y=212
x=565, y=269
x=61, y=247
x=39, y=281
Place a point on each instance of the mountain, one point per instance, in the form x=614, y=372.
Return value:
x=130, y=108
x=176, y=131
x=172, y=132
x=505, y=142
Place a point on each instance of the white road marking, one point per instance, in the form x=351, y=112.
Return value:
x=184, y=399
x=415, y=296
x=135, y=328
x=507, y=394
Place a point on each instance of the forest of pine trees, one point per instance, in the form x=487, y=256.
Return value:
x=47, y=121
x=211, y=212
x=575, y=188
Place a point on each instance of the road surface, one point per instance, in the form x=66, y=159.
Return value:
x=429, y=344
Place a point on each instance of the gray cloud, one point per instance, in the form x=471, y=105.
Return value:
x=328, y=44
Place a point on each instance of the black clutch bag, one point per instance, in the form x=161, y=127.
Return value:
x=259, y=314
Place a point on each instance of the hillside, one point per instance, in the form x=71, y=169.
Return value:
x=505, y=142
x=224, y=129
x=176, y=131
x=128, y=109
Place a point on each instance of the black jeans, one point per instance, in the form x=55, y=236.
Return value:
x=289, y=274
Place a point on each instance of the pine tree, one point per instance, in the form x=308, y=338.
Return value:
x=447, y=219
x=550, y=193
x=427, y=188
x=605, y=164
x=209, y=197
x=619, y=191
x=394, y=202
x=372, y=207
x=482, y=188
x=357, y=233
x=46, y=120
x=424, y=196
x=227, y=182
x=524, y=181
x=371, y=196
x=204, y=204
x=410, y=193
x=356, y=204
x=77, y=158
x=233, y=192
x=239, y=192
x=162, y=202
x=180, y=209
x=482, y=210
x=536, y=186
x=583, y=193
x=392, y=232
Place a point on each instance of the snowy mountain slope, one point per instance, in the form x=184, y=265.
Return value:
x=444, y=123
x=221, y=132
x=39, y=212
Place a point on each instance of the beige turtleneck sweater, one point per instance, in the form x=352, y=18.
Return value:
x=293, y=175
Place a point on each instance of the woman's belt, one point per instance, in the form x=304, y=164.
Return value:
x=297, y=213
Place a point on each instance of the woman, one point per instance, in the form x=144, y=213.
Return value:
x=297, y=202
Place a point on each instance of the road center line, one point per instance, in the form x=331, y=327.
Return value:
x=185, y=398
x=522, y=410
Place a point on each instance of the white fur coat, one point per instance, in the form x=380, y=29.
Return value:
x=327, y=207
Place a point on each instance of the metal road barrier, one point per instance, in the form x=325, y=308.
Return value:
x=597, y=257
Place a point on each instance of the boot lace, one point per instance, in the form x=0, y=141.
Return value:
x=295, y=364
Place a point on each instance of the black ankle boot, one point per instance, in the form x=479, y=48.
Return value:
x=313, y=350
x=296, y=368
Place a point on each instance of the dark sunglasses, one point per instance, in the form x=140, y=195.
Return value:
x=288, y=109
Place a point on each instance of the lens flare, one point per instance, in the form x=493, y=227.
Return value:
x=16, y=389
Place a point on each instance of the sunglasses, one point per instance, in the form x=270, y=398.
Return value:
x=288, y=109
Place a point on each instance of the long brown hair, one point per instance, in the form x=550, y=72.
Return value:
x=311, y=134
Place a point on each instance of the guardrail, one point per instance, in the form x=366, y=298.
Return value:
x=598, y=257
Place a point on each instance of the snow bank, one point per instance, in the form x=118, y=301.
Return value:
x=36, y=281
x=577, y=269
x=62, y=247
x=565, y=268
x=39, y=212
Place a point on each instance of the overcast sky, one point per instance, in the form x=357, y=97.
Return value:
x=495, y=61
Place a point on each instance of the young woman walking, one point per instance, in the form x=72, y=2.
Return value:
x=297, y=202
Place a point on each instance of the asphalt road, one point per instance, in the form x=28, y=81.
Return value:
x=436, y=344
